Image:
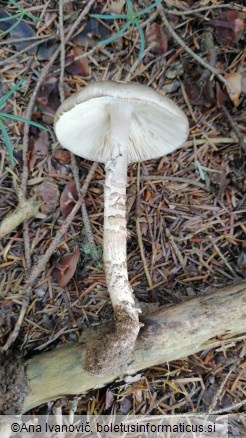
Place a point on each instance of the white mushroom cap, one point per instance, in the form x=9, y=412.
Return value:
x=157, y=125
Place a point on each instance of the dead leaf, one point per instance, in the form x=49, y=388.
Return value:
x=62, y=155
x=157, y=36
x=125, y=406
x=229, y=27
x=78, y=68
x=148, y=195
x=22, y=30
x=36, y=117
x=39, y=148
x=46, y=50
x=221, y=96
x=197, y=92
x=68, y=198
x=235, y=80
x=65, y=268
x=48, y=193
x=93, y=31
x=48, y=98
x=138, y=395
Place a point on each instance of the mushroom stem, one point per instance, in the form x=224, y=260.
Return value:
x=118, y=347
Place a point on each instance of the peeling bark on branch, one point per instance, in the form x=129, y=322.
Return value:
x=170, y=334
x=26, y=210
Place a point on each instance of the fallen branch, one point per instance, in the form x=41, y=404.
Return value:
x=25, y=211
x=175, y=332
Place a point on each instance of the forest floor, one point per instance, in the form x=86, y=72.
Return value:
x=186, y=210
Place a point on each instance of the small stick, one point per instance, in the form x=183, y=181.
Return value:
x=139, y=234
x=37, y=270
x=162, y=11
x=44, y=72
x=235, y=128
x=24, y=211
x=62, y=54
x=219, y=392
x=20, y=40
x=203, y=9
x=169, y=178
x=11, y=58
x=229, y=408
x=75, y=170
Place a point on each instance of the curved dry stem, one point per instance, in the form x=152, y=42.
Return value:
x=117, y=348
x=26, y=210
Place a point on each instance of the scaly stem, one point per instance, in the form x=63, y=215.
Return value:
x=117, y=347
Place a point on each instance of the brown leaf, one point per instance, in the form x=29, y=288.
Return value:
x=148, y=195
x=78, y=68
x=221, y=96
x=48, y=98
x=62, y=155
x=155, y=34
x=20, y=31
x=39, y=149
x=196, y=90
x=229, y=27
x=36, y=117
x=138, y=395
x=48, y=193
x=92, y=32
x=65, y=267
x=235, y=80
x=68, y=198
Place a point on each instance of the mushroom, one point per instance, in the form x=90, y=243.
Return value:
x=117, y=124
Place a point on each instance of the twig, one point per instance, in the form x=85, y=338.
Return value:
x=162, y=11
x=24, y=179
x=30, y=106
x=151, y=18
x=74, y=166
x=215, y=140
x=229, y=408
x=235, y=128
x=62, y=54
x=37, y=270
x=25, y=211
x=219, y=392
x=43, y=74
x=136, y=63
x=211, y=56
x=20, y=40
x=139, y=234
x=86, y=220
x=175, y=249
x=202, y=9
x=168, y=178
x=11, y=58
